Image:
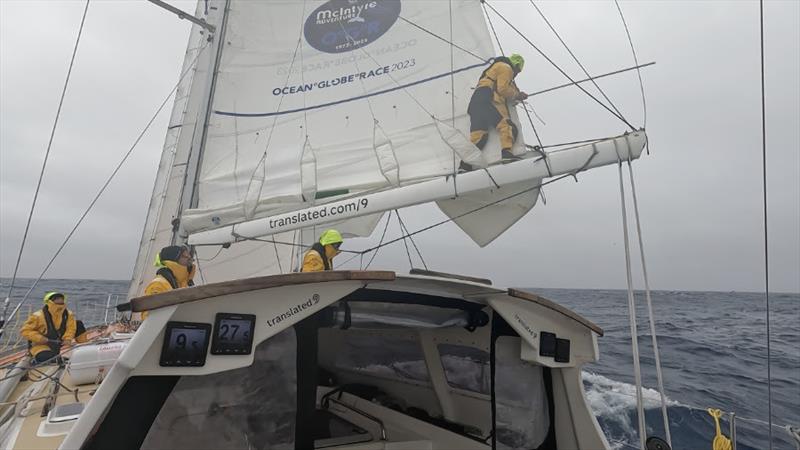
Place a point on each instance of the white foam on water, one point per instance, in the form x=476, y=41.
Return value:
x=615, y=402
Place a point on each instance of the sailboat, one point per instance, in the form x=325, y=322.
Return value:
x=293, y=117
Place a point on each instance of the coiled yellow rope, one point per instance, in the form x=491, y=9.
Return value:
x=720, y=441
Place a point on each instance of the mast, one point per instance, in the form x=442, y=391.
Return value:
x=191, y=106
x=189, y=197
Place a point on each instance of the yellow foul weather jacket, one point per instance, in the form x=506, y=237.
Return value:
x=36, y=332
x=160, y=283
x=488, y=107
x=313, y=262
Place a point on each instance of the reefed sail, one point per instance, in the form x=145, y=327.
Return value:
x=319, y=99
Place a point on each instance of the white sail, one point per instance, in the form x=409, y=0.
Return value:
x=336, y=98
x=183, y=123
x=496, y=185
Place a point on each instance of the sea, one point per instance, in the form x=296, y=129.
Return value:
x=713, y=348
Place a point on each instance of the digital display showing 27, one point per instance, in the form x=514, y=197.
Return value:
x=233, y=334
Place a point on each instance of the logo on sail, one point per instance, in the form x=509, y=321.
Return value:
x=343, y=25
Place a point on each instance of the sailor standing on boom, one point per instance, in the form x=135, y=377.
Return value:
x=48, y=328
x=488, y=106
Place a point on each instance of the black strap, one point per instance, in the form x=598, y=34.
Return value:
x=317, y=247
x=53, y=333
x=169, y=276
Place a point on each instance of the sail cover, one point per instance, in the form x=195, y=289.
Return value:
x=316, y=100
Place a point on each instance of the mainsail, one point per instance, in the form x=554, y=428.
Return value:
x=302, y=114
x=321, y=99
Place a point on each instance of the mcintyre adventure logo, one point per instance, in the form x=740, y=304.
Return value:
x=344, y=25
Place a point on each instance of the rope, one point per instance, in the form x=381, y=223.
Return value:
x=586, y=72
x=559, y=68
x=404, y=229
x=766, y=228
x=650, y=309
x=452, y=44
x=491, y=25
x=636, y=61
x=383, y=235
x=111, y=177
x=408, y=251
x=44, y=165
x=720, y=441
x=632, y=316
x=589, y=79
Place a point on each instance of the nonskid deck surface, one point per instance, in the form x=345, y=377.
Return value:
x=29, y=398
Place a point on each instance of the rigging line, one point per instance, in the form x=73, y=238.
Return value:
x=405, y=243
x=240, y=238
x=651, y=319
x=472, y=211
x=636, y=61
x=585, y=141
x=502, y=52
x=452, y=44
x=383, y=235
x=766, y=236
x=560, y=86
x=559, y=68
x=632, y=316
x=111, y=177
x=44, y=163
x=553, y=29
x=277, y=256
x=403, y=227
x=213, y=257
x=491, y=25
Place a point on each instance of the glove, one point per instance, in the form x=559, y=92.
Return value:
x=521, y=96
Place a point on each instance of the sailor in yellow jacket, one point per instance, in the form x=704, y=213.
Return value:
x=488, y=106
x=175, y=270
x=49, y=328
x=320, y=256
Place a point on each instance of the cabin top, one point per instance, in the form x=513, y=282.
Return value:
x=448, y=286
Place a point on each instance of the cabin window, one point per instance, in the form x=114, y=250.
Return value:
x=383, y=356
x=466, y=368
x=522, y=420
x=250, y=407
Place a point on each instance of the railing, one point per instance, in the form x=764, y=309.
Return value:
x=91, y=312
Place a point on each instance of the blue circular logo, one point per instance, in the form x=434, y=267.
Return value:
x=343, y=25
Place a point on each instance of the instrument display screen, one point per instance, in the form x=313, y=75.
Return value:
x=185, y=344
x=233, y=334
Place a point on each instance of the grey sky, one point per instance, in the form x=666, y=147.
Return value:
x=699, y=189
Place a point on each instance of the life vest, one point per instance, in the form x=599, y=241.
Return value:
x=501, y=59
x=319, y=248
x=167, y=274
x=53, y=333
